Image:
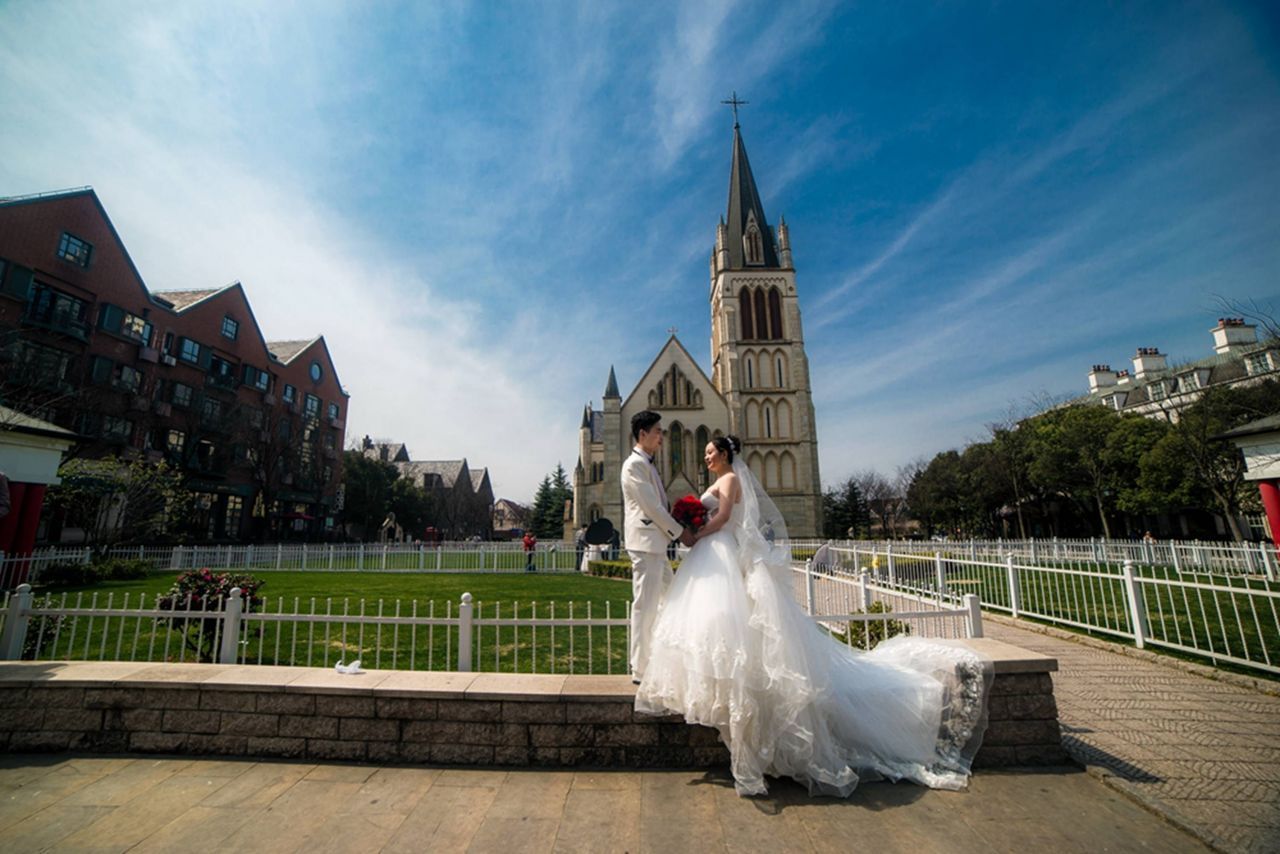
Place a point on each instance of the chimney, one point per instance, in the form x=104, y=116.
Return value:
x=1148, y=361
x=1123, y=378
x=1101, y=377
x=1232, y=334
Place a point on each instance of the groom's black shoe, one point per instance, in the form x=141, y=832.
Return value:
x=635, y=681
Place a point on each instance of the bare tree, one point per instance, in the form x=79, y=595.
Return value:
x=1263, y=315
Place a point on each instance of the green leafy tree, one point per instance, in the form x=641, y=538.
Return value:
x=845, y=512
x=1213, y=467
x=115, y=501
x=367, y=496
x=415, y=508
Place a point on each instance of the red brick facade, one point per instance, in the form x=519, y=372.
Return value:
x=185, y=376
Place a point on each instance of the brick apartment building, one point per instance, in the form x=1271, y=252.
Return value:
x=256, y=427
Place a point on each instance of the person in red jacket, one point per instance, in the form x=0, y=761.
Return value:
x=530, y=545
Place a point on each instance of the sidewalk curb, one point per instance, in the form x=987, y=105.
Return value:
x=1155, y=806
x=1262, y=686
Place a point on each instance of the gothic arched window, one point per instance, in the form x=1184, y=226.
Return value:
x=675, y=438
x=748, y=323
x=762, y=319
x=775, y=314
x=753, y=241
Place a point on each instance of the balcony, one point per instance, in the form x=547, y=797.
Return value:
x=221, y=382
x=63, y=322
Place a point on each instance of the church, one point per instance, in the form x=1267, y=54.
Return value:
x=758, y=389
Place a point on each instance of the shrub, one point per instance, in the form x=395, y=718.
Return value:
x=868, y=635
x=84, y=574
x=201, y=590
x=610, y=568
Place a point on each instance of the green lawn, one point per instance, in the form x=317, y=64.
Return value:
x=381, y=645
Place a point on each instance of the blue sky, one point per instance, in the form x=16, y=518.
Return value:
x=482, y=206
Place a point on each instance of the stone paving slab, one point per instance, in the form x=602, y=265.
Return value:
x=67, y=803
x=1205, y=753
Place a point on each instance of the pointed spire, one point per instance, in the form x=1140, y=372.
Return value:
x=611, y=390
x=745, y=207
x=586, y=417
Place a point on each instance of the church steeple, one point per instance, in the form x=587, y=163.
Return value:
x=611, y=390
x=749, y=239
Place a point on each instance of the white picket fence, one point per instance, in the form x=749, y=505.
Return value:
x=505, y=637
x=1222, y=617
x=484, y=557
x=1226, y=558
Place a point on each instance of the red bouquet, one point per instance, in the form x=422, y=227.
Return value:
x=689, y=511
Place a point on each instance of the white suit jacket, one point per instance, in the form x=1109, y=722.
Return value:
x=649, y=525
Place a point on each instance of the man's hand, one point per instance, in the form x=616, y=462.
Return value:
x=686, y=536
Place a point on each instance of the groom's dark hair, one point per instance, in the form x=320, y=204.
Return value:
x=643, y=421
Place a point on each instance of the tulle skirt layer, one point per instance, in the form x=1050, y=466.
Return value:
x=733, y=650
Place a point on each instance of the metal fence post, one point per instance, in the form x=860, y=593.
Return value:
x=232, y=613
x=973, y=605
x=439, y=557
x=15, y=624
x=1173, y=549
x=1268, y=560
x=1137, y=607
x=248, y=557
x=175, y=558
x=1015, y=595
x=332, y=566
x=864, y=589
x=940, y=573
x=384, y=555
x=464, y=634
x=808, y=586
x=893, y=575
x=304, y=556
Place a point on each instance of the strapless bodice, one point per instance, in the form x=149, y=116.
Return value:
x=709, y=501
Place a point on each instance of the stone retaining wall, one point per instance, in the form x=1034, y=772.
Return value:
x=399, y=717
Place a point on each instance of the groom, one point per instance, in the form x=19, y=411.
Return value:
x=649, y=528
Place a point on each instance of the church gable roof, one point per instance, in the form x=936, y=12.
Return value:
x=745, y=206
x=447, y=471
x=674, y=352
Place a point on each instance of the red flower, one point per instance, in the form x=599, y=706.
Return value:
x=690, y=511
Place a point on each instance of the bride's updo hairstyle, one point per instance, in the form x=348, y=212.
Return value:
x=728, y=445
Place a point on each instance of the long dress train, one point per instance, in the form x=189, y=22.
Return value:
x=732, y=649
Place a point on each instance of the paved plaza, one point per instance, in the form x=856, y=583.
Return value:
x=1203, y=752
x=64, y=803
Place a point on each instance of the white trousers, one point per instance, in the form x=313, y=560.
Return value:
x=650, y=578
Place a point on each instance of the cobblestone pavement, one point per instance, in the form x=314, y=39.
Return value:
x=61, y=803
x=1205, y=753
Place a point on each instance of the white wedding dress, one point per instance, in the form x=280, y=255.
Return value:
x=732, y=649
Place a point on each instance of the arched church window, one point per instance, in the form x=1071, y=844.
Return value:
x=748, y=322
x=782, y=373
x=662, y=394
x=768, y=421
x=675, y=439
x=775, y=314
x=762, y=319
x=594, y=513
x=750, y=372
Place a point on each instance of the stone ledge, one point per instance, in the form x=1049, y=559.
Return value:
x=399, y=716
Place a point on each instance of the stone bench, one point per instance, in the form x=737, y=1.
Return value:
x=410, y=717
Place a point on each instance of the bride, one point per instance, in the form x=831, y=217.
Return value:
x=732, y=649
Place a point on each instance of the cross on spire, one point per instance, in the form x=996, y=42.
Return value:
x=735, y=103
x=672, y=331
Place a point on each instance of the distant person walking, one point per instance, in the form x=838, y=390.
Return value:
x=530, y=546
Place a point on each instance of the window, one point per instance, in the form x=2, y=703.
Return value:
x=316, y=372
x=744, y=305
x=312, y=406
x=175, y=442
x=230, y=327
x=1257, y=363
x=290, y=393
x=190, y=351
x=775, y=314
x=73, y=249
x=256, y=418
x=762, y=319
x=1156, y=391
x=329, y=442
x=116, y=429
x=782, y=377
x=57, y=310
x=128, y=379
x=334, y=412
x=235, y=508
x=211, y=409
x=181, y=395
x=221, y=368
x=100, y=370
x=261, y=380
x=751, y=382
x=117, y=321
